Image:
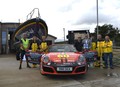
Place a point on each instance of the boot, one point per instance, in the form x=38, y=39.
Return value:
x=20, y=67
x=28, y=66
x=34, y=65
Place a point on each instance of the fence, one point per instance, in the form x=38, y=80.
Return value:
x=116, y=56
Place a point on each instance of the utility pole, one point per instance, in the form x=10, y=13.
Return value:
x=64, y=33
x=19, y=20
x=97, y=16
x=101, y=61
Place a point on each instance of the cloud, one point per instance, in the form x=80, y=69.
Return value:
x=67, y=6
x=81, y=13
x=59, y=14
x=91, y=18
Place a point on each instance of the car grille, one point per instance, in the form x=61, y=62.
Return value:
x=80, y=69
x=48, y=69
x=64, y=64
x=64, y=71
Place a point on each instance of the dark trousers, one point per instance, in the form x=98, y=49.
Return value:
x=110, y=57
x=23, y=52
x=18, y=55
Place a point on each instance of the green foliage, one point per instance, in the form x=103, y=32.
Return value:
x=107, y=30
x=112, y=32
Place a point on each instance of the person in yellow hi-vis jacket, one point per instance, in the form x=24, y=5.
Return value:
x=24, y=46
x=99, y=48
x=34, y=46
x=107, y=45
x=44, y=46
x=93, y=47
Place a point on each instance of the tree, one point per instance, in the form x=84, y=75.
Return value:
x=109, y=30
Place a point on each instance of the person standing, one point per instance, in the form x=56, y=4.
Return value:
x=24, y=46
x=86, y=43
x=108, y=44
x=43, y=45
x=78, y=44
x=99, y=49
x=93, y=41
x=34, y=46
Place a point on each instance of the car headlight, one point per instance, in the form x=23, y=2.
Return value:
x=46, y=59
x=81, y=60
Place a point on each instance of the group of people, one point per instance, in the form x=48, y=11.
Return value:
x=33, y=45
x=82, y=44
x=102, y=46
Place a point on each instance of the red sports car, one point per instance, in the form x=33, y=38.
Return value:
x=63, y=59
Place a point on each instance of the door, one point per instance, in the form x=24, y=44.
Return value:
x=4, y=39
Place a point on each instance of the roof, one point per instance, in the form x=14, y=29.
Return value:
x=81, y=31
x=52, y=36
x=5, y=23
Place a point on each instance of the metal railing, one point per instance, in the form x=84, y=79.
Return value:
x=30, y=15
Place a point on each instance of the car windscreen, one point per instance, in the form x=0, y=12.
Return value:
x=62, y=48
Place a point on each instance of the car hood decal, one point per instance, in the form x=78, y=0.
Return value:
x=63, y=56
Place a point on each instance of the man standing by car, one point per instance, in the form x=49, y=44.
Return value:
x=24, y=46
x=78, y=44
x=34, y=46
x=43, y=45
x=86, y=43
x=93, y=47
x=35, y=43
x=99, y=49
x=107, y=49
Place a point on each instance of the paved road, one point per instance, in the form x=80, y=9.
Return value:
x=11, y=76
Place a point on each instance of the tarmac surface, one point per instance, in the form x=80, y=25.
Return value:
x=11, y=76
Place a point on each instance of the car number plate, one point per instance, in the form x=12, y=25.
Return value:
x=64, y=68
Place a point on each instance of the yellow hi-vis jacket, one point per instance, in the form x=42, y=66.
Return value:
x=43, y=47
x=34, y=47
x=100, y=48
x=107, y=47
x=93, y=46
x=25, y=44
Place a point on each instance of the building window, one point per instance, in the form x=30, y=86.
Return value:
x=4, y=38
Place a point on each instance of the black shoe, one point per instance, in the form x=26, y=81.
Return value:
x=20, y=67
x=28, y=66
x=111, y=68
x=105, y=67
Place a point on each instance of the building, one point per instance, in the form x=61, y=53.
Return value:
x=6, y=32
x=74, y=34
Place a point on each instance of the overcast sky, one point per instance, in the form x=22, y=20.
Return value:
x=59, y=14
